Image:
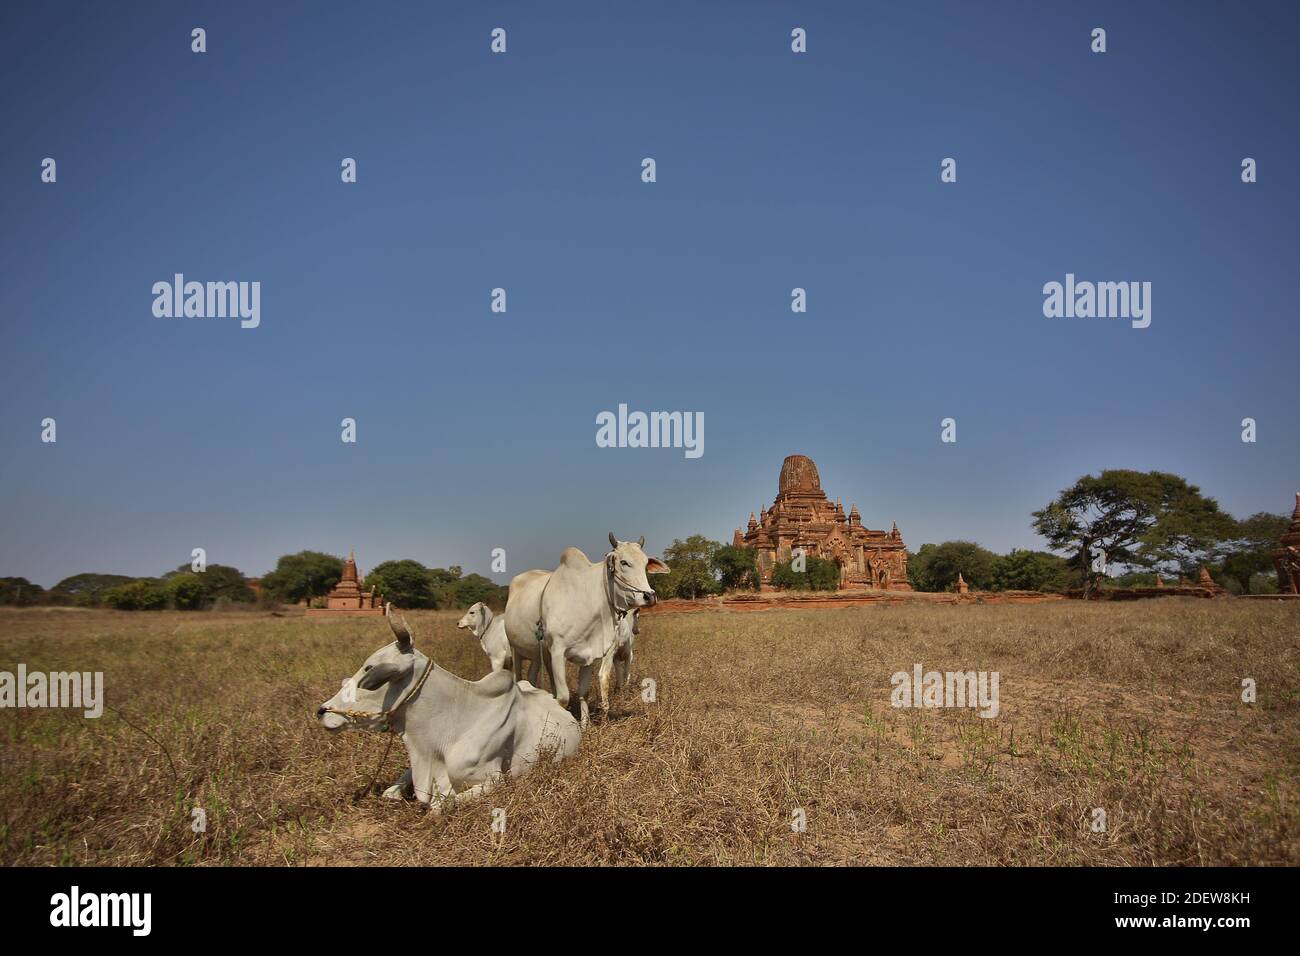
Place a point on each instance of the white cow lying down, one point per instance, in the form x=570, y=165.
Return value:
x=461, y=737
x=490, y=630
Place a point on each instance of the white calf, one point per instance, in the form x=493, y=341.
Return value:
x=491, y=633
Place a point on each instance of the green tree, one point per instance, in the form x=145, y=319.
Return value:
x=736, y=568
x=1024, y=570
x=86, y=589
x=1132, y=518
x=186, y=592
x=935, y=566
x=20, y=592
x=1249, y=551
x=664, y=586
x=823, y=574
x=473, y=588
x=219, y=581
x=691, y=564
x=141, y=594
x=307, y=574
x=918, y=568
x=819, y=574
x=446, y=581
x=407, y=583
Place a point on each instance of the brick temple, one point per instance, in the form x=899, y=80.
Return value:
x=803, y=517
x=1286, y=559
x=347, y=598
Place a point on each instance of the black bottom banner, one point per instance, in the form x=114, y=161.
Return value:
x=323, y=904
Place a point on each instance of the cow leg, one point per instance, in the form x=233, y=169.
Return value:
x=584, y=688
x=476, y=791
x=620, y=669
x=431, y=782
x=402, y=790
x=602, y=681
x=535, y=673
x=559, y=679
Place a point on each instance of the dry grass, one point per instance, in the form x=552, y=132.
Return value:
x=1133, y=708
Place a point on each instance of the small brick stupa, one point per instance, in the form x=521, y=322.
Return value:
x=1207, y=582
x=1286, y=559
x=347, y=598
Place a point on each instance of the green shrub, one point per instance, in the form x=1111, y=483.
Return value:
x=819, y=574
x=143, y=594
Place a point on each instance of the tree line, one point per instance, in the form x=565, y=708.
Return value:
x=1116, y=529
x=304, y=576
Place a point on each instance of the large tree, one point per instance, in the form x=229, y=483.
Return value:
x=473, y=588
x=307, y=574
x=935, y=567
x=1147, y=519
x=218, y=581
x=736, y=568
x=407, y=583
x=20, y=592
x=690, y=565
x=1024, y=570
x=86, y=589
x=1249, y=551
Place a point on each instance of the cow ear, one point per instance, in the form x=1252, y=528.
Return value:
x=378, y=676
x=655, y=566
x=641, y=542
x=609, y=560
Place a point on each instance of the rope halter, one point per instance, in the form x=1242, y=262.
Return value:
x=403, y=632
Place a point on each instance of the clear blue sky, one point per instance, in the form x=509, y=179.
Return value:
x=477, y=430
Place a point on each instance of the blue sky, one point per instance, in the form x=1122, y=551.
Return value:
x=775, y=170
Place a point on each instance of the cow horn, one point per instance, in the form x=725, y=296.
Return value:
x=641, y=541
x=613, y=541
x=402, y=630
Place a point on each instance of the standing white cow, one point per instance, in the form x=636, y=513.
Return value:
x=461, y=737
x=523, y=611
x=574, y=613
x=490, y=630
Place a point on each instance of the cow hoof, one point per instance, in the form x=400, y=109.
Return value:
x=394, y=792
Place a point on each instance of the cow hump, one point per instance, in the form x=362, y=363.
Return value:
x=574, y=558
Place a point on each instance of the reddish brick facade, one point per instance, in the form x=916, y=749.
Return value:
x=1286, y=559
x=803, y=517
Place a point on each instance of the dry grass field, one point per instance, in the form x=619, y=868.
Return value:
x=1134, y=708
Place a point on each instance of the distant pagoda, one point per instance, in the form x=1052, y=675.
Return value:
x=348, y=598
x=803, y=517
x=1287, y=556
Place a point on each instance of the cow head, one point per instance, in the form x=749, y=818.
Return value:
x=476, y=619
x=626, y=568
x=629, y=625
x=376, y=686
